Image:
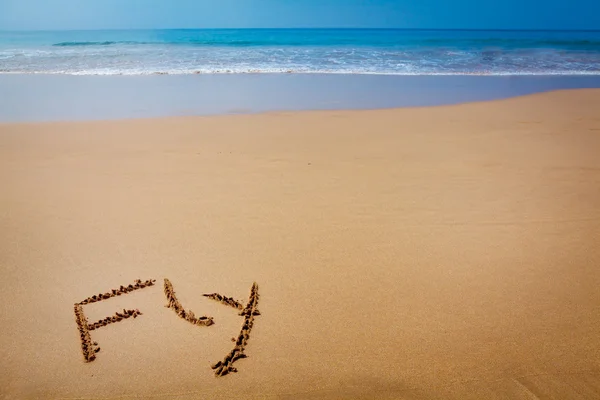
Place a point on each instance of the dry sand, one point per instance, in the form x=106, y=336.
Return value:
x=436, y=253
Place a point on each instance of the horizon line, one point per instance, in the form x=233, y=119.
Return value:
x=309, y=28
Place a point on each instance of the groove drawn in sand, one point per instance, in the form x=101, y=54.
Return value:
x=224, y=367
x=180, y=311
x=138, y=284
x=115, y=318
x=88, y=347
x=228, y=301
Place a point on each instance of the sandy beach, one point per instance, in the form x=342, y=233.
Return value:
x=420, y=253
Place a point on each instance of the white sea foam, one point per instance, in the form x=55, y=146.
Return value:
x=106, y=53
x=140, y=72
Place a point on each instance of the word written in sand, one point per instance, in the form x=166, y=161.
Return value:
x=90, y=348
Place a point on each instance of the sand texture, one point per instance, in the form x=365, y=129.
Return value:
x=427, y=253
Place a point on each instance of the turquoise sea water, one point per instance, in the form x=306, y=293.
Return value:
x=333, y=51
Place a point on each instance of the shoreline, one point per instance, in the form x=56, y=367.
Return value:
x=443, y=252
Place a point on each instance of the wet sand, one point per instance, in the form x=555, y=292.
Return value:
x=427, y=253
x=32, y=97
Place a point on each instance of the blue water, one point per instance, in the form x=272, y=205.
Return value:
x=334, y=51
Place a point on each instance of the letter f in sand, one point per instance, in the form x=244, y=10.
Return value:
x=88, y=347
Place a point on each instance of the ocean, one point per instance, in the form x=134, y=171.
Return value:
x=319, y=51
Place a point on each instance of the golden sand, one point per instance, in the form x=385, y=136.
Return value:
x=427, y=253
